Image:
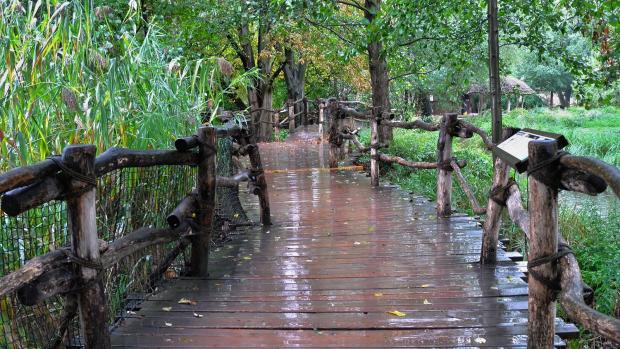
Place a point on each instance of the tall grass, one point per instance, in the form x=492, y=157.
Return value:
x=72, y=73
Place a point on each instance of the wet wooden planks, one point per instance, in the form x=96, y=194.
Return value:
x=340, y=256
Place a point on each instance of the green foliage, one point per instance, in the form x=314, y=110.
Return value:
x=74, y=75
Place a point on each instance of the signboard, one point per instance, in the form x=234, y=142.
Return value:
x=514, y=150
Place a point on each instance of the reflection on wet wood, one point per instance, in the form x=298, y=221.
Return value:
x=339, y=256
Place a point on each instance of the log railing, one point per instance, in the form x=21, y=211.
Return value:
x=75, y=272
x=553, y=270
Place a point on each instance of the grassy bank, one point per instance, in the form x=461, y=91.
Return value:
x=593, y=229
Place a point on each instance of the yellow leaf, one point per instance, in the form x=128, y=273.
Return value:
x=247, y=258
x=396, y=313
x=187, y=301
x=378, y=294
x=427, y=302
x=166, y=308
x=480, y=340
x=425, y=286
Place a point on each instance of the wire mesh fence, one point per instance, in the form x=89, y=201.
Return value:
x=127, y=199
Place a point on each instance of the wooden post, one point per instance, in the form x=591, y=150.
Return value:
x=488, y=253
x=276, y=125
x=494, y=78
x=321, y=120
x=291, y=116
x=543, y=211
x=82, y=225
x=334, y=129
x=261, y=182
x=305, y=115
x=374, y=152
x=205, y=184
x=444, y=176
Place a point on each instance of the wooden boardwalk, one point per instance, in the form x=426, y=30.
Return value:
x=344, y=265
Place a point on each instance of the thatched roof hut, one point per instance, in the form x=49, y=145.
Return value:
x=509, y=85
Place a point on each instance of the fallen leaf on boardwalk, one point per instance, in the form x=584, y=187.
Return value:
x=236, y=215
x=378, y=294
x=198, y=315
x=168, y=324
x=131, y=312
x=166, y=308
x=396, y=313
x=247, y=258
x=427, y=302
x=480, y=340
x=357, y=243
x=425, y=286
x=371, y=229
x=187, y=301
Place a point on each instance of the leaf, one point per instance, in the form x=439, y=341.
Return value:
x=247, y=258
x=198, y=315
x=166, y=308
x=396, y=313
x=378, y=294
x=357, y=243
x=427, y=302
x=480, y=340
x=187, y=301
x=425, y=286
x=168, y=324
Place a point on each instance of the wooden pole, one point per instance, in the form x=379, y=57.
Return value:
x=374, y=152
x=494, y=78
x=261, y=182
x=291, y=116
x=276, y=125
x=444, y=177
x=492, y=223
x=543, y=211
x=334, y=129
x=82, y=225
x=321, y=120
x=205, y=183
x=305, y=115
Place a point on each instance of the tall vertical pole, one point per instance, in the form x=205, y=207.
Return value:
x=321, y=120
x=444, y=173
x=206, y=201
x=494, y=78
x=82, y=225
x=374, y=145
x=543, y=211
x=291, y=117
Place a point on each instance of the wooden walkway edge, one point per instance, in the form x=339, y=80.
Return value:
x=344, y=265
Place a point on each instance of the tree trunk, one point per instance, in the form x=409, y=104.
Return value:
x=562, y=100
x=377, y=63
x=551, y=101
x=294, y=76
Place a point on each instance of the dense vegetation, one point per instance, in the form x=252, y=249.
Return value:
x=138, y=73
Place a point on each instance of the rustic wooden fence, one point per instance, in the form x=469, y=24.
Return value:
x=50, y=286
x=553, y=272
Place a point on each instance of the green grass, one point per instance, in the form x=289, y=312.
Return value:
x=594, y=236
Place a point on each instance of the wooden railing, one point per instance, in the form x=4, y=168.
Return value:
x=75, y=271
x=553, y=272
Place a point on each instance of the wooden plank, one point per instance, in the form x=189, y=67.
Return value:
x=339, y=256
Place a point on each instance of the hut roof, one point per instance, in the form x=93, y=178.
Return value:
x=509, y=84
